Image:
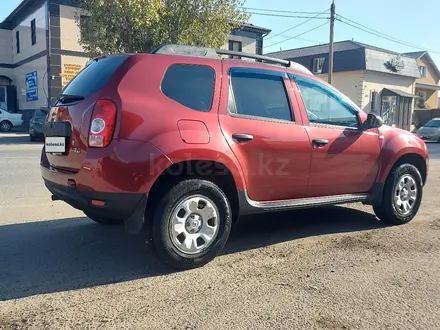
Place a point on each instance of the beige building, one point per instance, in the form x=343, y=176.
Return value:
x=40, y=52
x=427, y=86
x=377, y=80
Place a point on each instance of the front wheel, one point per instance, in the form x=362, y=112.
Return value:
x=5, y=126
x=191, y=224
x=402, y=196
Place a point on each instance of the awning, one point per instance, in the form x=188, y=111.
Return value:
x=431, y=87
x=398, y=92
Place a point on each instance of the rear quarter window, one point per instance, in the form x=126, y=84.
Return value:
x=94, y=76
x=190, y=85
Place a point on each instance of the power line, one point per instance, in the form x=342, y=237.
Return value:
x=381, y=35
x=298, y=35
x=282, y=11
x=298, y=25
x=288, y=16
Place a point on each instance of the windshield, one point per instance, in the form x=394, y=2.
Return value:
x=433, y=123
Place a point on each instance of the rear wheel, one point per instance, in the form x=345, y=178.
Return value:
x=191, y=224
x=402, y=195
x=104, y=220
x=5, y=126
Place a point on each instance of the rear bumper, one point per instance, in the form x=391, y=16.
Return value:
x=111, y=205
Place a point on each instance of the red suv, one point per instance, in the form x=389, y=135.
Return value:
x=187, y=141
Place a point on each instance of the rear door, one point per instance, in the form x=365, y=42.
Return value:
x=265, y=132
x=68, y=122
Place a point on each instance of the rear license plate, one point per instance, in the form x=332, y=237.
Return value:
x=55, y=144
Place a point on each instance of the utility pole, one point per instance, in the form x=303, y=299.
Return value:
x=330, y=55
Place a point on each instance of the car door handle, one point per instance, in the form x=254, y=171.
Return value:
x=320, y=142
x=239, y=137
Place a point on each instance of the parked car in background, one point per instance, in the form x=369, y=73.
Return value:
x=200, y=140
x=430, y=131
x=9, y=120
x=36, y=125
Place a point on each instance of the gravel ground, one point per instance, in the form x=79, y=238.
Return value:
x=332, y=268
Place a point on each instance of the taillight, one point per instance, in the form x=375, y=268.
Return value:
x=103, y=123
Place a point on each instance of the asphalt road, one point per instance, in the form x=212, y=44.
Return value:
x=332, y=268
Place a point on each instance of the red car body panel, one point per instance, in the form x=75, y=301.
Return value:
x=154, y=132
x=395, y=144
x=276, y=163
x=123, y=167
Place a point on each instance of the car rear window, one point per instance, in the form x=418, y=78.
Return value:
x=94, y=77
x=190, y=85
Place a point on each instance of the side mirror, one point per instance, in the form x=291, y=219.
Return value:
x=372, y=121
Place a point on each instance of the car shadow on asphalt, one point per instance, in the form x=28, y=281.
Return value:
x=68, y=254
x=17, y=138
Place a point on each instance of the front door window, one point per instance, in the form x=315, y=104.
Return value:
x=325, y=106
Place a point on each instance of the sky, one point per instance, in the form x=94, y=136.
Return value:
x=414, y=22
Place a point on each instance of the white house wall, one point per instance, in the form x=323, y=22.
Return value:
x=377, y=81
x=26, y=48
x=6, y=47
x=69, y=30
x=350, y=83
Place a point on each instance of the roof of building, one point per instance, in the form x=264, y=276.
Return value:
x=421, y=54
x=254, y=28
x=324, y=48
x=353, y=55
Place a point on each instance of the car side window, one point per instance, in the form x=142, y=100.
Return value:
x=259, y=95
x=190, y=85
x=324, y=106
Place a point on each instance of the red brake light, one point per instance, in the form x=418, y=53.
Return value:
x=103, y=123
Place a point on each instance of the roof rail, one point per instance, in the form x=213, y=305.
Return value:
x=190, y=50
x=254, y=56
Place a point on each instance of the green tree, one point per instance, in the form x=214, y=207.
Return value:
x=112, y=26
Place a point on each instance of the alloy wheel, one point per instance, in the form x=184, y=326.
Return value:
x=405, y=194
x=194, y=224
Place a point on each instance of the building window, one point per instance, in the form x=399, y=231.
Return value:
x=259, y=46
x=422, y=70
x=235, y=46
x=17, y=41
x=318, y=64
x=33, y=32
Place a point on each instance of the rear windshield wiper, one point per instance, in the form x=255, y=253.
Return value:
x=65, y=98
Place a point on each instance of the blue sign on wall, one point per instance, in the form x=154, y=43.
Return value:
x=31, y=86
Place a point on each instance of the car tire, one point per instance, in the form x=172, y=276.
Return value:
x=104, y=220
x=191, y=224
x=5, y=126
x=402, y=196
